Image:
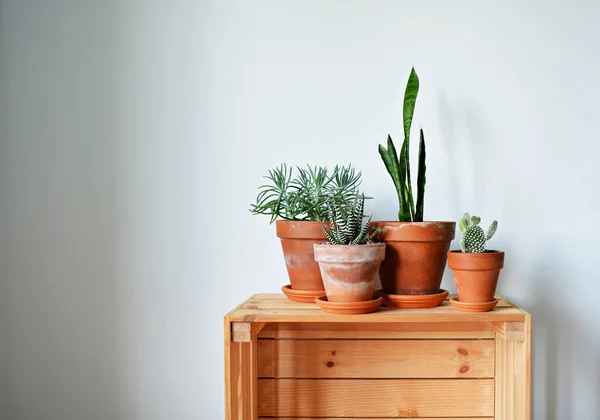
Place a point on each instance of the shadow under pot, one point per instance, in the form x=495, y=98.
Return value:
x=415, y=256
x=476, y=274
x=349, y=271
x=297, y=240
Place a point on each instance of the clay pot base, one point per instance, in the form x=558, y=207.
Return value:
x=413, y=301
x=348, y=308
x=304, y=296
x=473, y=307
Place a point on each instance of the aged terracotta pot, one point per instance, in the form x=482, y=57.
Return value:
x=415, y=256
x=297, y=240
x=476, y=275
x=349, y=271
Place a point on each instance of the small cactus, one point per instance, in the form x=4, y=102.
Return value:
x=473, y=236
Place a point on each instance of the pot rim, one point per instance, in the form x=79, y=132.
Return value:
x=349, y=254
x=329, y=244
x=300, y=229
x=480, y=261
x=486, y=252
x=414, y=223
x=429, y=231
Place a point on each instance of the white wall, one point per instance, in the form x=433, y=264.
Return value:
x=134, y=135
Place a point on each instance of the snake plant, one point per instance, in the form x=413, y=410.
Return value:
x=398, y=166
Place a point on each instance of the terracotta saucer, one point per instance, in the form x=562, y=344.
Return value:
x=348, y=308
x=305, y=296
x=473, y=307
x=413, y=301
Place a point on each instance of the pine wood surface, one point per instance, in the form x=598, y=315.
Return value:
x=275, y=307
x=291, y=361
x=390, y=359
x=375, y=397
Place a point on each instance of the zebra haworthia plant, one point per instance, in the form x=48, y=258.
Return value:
x=474, y=238
x=398, y=166
x=346, y=220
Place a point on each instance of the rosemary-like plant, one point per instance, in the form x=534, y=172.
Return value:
x=398, y=166
x=346, y=221
x=305, y=196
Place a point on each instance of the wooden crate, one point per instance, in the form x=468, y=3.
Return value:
x=291, y=361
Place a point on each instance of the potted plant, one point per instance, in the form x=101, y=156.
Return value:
x=350, y=262
x=298, y=204
x=416, y=250
x=476, y=270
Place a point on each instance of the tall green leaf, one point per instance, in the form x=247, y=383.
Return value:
x=410, y=98
x=421, y=179
x=399, y=165
x=405, y=214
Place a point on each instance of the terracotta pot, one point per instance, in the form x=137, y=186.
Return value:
x=476, y=275
x=415, y=256
x=349, y=271
x=297, y=240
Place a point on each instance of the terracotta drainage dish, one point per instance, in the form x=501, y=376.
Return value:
x=413, y=301
x=306, y=296
x=473, y=307
x=349, y=271
x=476, y=275
x=415, y=256
x=297, y=240
x=348, y=308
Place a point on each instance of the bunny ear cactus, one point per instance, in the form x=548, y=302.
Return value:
x=398, y=166
x=346, y=220
x=474, y=237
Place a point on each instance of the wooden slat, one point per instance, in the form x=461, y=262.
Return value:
x=444, y=313
x=244, y=331
x=404, y=330
x=513, y=376
x=376, y=358
x=253, y=377
x=378, y=418
x=376, y=397
x=239, y=384
x=510, y=331
x=277, y=308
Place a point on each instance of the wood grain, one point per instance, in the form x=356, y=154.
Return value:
x=513, y=376
x=378, y=418
x=376, y=358
x=376, y=397
x=239, y=401
x=404, y=330
x=277, y=308
x=510, y=331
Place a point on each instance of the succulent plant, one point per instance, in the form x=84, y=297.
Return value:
x=473, y=236
x=398, y=166
x=346, y=220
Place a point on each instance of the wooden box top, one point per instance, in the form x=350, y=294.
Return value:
x=276, y=307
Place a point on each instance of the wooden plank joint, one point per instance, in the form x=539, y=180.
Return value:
x=243, y=332
x=510, y=330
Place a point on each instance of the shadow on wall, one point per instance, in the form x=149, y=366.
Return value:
x=566, y=362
